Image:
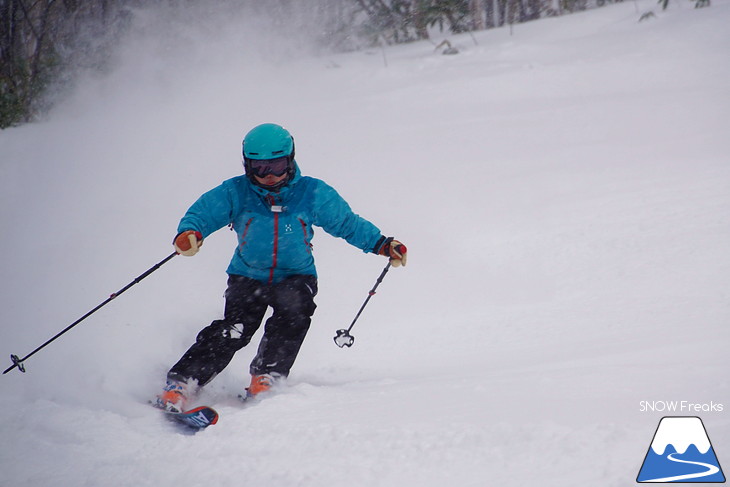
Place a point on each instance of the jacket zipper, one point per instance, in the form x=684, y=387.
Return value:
x=245, y=232
x=276, y=242
x=306, y=235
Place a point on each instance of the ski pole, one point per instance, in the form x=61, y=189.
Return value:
x=343, y=337
x=18, y=362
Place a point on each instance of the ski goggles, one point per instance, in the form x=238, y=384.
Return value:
x=264, y=167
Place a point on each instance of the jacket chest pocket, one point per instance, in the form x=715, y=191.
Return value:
x=296, y=232
x=242, y=227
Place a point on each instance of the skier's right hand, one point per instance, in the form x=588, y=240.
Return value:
x=188, y=243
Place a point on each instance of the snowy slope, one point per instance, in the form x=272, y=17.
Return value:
x=564, y=194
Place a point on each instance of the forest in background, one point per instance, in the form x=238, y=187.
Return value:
x=45, y=44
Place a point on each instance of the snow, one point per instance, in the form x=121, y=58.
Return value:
x=564, y=195
x=688, y=430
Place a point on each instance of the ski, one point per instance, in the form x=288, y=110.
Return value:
x=197, y=419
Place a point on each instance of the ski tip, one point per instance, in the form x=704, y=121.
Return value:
x=196, y=419
x=207, y=411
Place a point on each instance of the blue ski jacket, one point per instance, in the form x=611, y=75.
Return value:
x=274, y=228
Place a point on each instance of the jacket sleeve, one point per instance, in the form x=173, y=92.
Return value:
x=334, y=215
x=212, y=211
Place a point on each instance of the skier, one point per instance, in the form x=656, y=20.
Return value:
x=272, y=209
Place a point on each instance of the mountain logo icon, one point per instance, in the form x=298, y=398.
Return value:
x=681, y=452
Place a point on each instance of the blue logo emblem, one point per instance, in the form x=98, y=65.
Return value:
x=680, y=452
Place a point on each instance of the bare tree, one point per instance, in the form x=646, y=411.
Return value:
x=38, y=38
x=476, y=10
x=26, y=56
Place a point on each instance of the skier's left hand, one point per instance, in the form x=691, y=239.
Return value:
x=395, y=250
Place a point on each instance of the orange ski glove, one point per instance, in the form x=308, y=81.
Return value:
x=396, y=251
x=188, y=243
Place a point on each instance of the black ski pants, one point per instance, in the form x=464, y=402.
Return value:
x=247, y=299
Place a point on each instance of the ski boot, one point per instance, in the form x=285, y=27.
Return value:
x=174, y=397
x=259, y=383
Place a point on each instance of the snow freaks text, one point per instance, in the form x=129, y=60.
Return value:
x=682, y=407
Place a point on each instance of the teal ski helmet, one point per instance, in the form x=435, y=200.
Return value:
x=266, y=148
